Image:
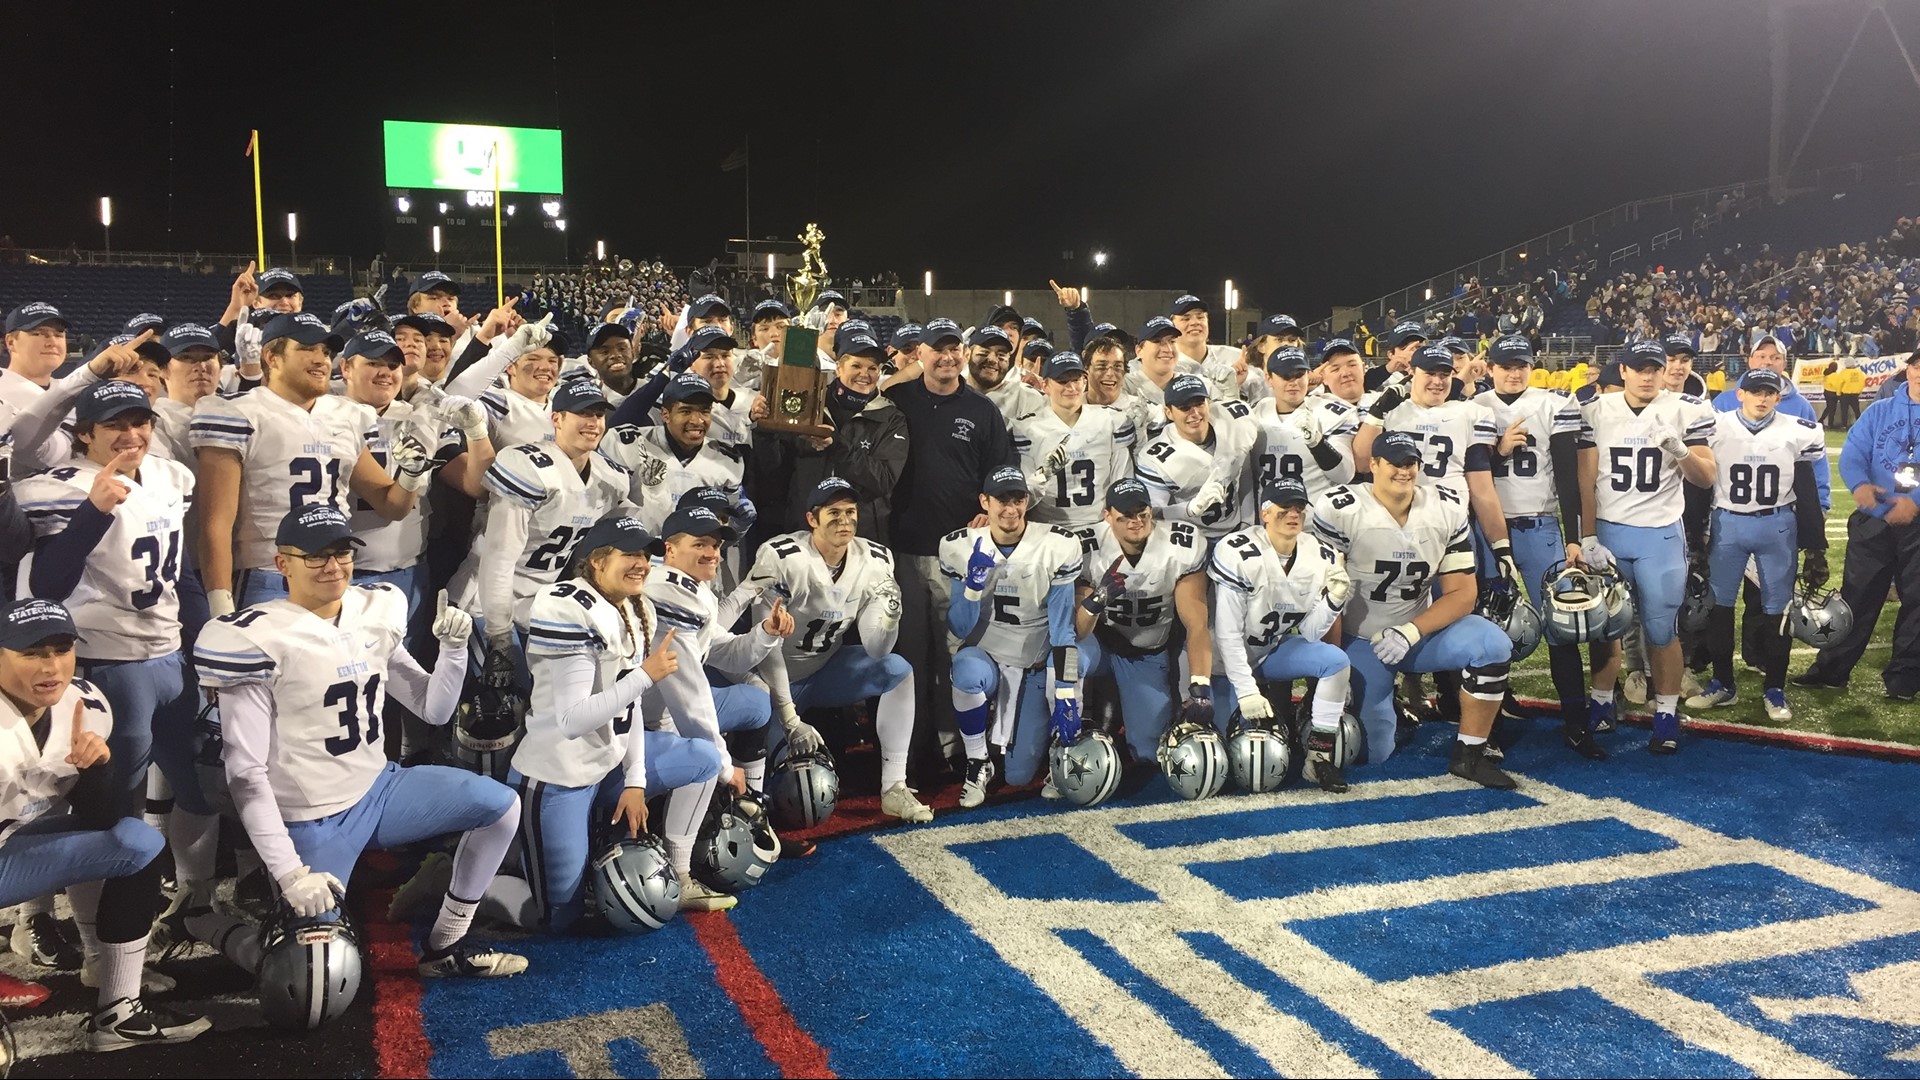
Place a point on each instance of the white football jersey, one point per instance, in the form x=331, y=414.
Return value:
x=732, y=423
x=1145, y=416
x=514, y=418
x=1144, y=615
x=561, y=504
x=1278, y=596
x=1100, y=449
x=690, y=608
x=824, y=606
x=1448, y=429
x=1524, y=479
x=1013, y=397
x=394, y=545
x=659, y=477
x=572, y=618
x=1174, y=469
x=1217, y=367
x=127, y=605
x=1637, y=484
x=172, y=430
x=290, y=457
x=328, y=679
x=1282, y=450
x=1015, y=617
x=1753, y=470
x=1393, y=566
x=35, y=779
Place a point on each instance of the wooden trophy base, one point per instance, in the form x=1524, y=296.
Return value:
x=797, y=402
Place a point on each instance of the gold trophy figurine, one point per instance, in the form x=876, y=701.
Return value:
x=797, y=399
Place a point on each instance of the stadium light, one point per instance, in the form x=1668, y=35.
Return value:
x=106, y=222
x=560, y=223
x=436, y=242
x=1086, y=295
x=293, y=237
x=1099, y=258
x=929, y=283
x=510, y=209
x=599, y=251
x=1523, y=254
x=1007, y=298
x=1429, y=292
x=405, y=204
x=769, y=266
x=443, y=208
x=552, y=207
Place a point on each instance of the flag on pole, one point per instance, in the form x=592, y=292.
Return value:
x=735, y=161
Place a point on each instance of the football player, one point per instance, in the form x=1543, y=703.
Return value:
x=546, y=495
x=1296, y=429
x=682, y=596
x=64, y=825
x=302, y=680
x=610, y=359
x=371, y=365
x=193, y=372
x=1011, y=602
x=1536, y=473
x=1342, y=377
x=1405, y=339
x=1277, y=605
x=679, y=454
x=1397, y=536
x=1635, y=448
x=1199, y=466
x=1106, y=360
x=1215, y=362
x=287, y=444
x=1157, y=363
x=1071, y=451
x=989, y=362
x=735, y=409
x=1140, y=576
x=1766, y=504
x=584, y=760
x=833, y=583
x=517, y=412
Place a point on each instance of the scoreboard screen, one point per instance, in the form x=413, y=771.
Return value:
x=459, y=157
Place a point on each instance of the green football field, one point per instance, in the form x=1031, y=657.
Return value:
x=1861, y=711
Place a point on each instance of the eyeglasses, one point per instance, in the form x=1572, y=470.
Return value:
x=319, y=562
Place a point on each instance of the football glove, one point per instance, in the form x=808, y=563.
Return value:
x=802, y=737
x=1595, y=553
x=451, y=626
x=307, y=893
x=1391, y=398
x=413, y=467
x=1066, y=714
x=1112, y=586
x=1255, y=707
x=979, y=566
x=1211, y=494
x=1392, y=644
x=1813, y=569
x=1199, y=706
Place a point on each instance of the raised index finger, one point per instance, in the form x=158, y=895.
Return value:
x=666, y=639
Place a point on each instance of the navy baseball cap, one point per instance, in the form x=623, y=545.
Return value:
x=1398, y=448
x=1063, y=366
x=1039, y=348
x=581, y=395
x=906, y=337
x=183, y=336
x=426, y=322
x=315, y=528
x=1763, y=380
x=1675, y=344
x=713, y=498
x=829, y=491
x=33, y=621
x=303, y=327
x=604, y=331
x=1005, y=481
x=829, y=297
x=1434, y=357
x=711, y=337
x=696, y=521
x=1335, y=346
x=1610, y=375
x=1510, y=351
x=1403, y=333
x=1158, y=327
x=1456, y=345
x=106, y=400
x=1128, y=495
x=146, y=320
x=280, y=278
x=988, y=336
x=770, y=309
x=620, y=533
x=1108, y=330
x=1031, y=325
x=1644, y=354
x=151, y=349
x=687, y=387
x=1184, y=390
x=857, y=345
x=1284, y=491
x=1000, y=313
x=708, y=305
x=431, y=281
x=1277, y=325
x=374, y=345
x=939, y=330
x=852, y=328
x=1188, y=302
x=1288, y=362
x=37, y=313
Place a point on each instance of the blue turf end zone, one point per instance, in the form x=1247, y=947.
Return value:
x=1560, y=1034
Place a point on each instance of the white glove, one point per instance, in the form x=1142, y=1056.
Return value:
x=534, y=334
x=1392, y=644
x=220, y=601
x=307, y=893
x=1307, y=422
x=653, y=472
x=1339, y=585
x=1255, y=707
x=413, y=466
x=1054, y=462
x=467, y=415
x=451, y=626
x=886, y=593
x=802, y=738
x=1211, y=494
x=246, y=346
x=1595, y=553
x=1671, y=444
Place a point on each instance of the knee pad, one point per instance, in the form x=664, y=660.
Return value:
x=1486, y=682
x=746, y=745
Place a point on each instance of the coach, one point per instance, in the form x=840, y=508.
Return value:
x=956, y=439
x=1883, y=540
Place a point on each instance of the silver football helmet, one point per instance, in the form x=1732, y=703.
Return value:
x=309, y=971
x=1349, y=745
x=1259, y=755
x=736, y=845
x=1194, y=758
x=1818, y=617
x=1696, y=611
x=635, y=886
x=803, y=789
x=1501, y=601
x=1576, y=607
x=1617, y=596
x=1087, y=770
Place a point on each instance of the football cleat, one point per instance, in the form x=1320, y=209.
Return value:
x=1716, y=695
x=1599, y=717
x=1777, y=710
x=973, y=791
x=1049, y=790
x=1469, y=762
x=1581, y=741
x=40, y=941
x=1689, y=685
x=1493, y=751
x=1321, y=766
x=127, y=1022
x=470, y=959
x=899, y=801
x=1666, y=734
x=695, y=896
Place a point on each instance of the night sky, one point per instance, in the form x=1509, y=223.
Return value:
x=1316, y=153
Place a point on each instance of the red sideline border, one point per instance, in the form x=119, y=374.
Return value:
x=793, y=1050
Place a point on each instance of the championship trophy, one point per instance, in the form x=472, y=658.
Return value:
x=797, y=396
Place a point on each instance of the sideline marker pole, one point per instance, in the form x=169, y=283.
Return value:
x=259, y=216
x=499, y=251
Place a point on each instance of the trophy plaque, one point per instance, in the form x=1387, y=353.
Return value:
x=797, y=395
